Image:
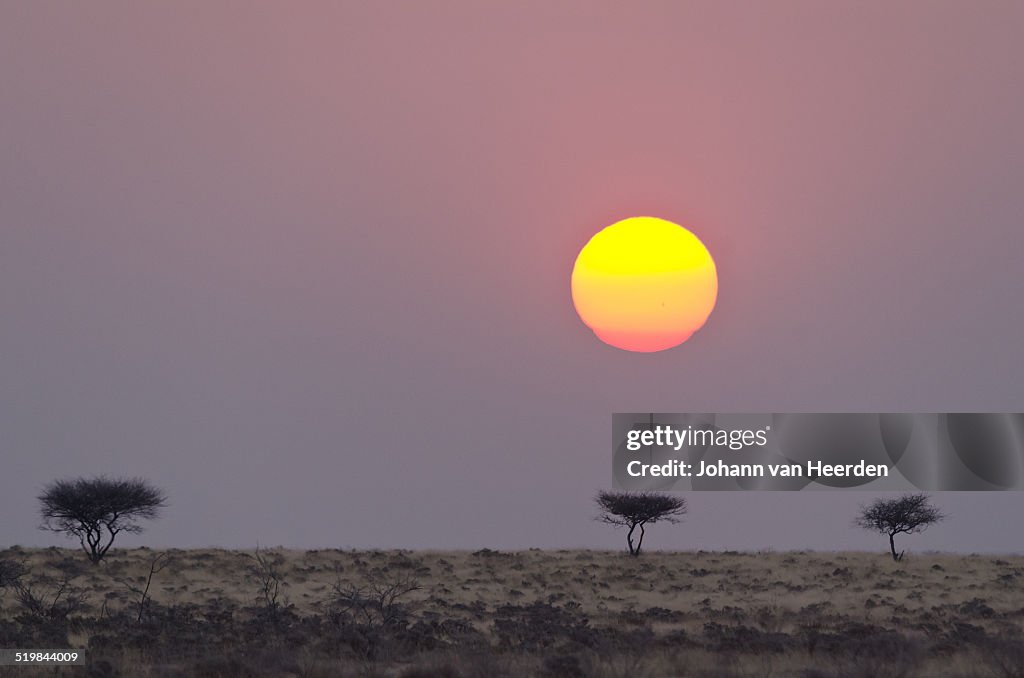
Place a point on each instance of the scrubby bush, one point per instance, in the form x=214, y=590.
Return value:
x=11, y=572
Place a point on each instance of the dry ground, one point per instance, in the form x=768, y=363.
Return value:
x=554, y=613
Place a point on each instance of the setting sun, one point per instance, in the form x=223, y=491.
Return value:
x=644, y=284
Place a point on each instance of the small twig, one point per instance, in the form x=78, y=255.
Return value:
x=156, y=564
x=269, y=579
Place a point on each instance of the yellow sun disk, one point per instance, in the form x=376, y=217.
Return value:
x=644, y=284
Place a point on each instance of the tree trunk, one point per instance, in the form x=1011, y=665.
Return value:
x=892, y=547
x=92, y=538
x=640, y=541
x=629, y=540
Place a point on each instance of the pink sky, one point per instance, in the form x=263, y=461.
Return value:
x=307, y=266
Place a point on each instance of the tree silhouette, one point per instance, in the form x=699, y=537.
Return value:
x=638, y=509
x=907, y=514
x=96, y=510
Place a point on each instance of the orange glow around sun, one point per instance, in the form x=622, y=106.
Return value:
x=644, y=284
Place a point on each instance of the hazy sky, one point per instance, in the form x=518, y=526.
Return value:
x=306, y=265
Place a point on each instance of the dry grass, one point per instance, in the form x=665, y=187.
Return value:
x=580, y=613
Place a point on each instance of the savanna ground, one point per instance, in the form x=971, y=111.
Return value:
x=531, y=613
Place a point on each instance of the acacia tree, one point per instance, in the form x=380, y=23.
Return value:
x=905, y=515
x=634, y=510
x=96, y=510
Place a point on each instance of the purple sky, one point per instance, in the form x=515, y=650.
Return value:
x=307, y=266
